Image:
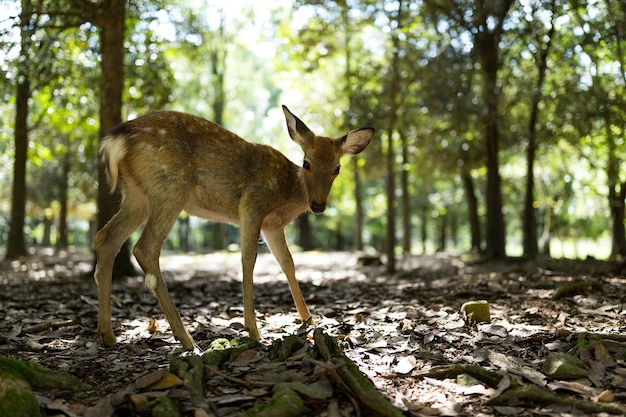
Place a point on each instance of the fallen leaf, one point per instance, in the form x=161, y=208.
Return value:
x=168, y=381
x=405, y=364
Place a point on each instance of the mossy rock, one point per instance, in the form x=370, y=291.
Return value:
x=17, y=398
x=564, y=366
x=39, y=376
x=222, y=350
x=284, y=348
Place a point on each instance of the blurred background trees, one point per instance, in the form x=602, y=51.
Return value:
x=501, y=124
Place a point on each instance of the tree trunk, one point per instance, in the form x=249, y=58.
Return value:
x=61, y=242
x=217, y=58
x=183, y=232
x=443, y=229
x=472, y=210
x=616, y=199
x=111, y=23
x=406, y=200
x=16, y=245
x=46, y=240
x=529, y=226
x=390, y=241
x=305, y=236
x=546, y=236
x=358, y=200
x=617, y=196
x=495, y=220
x=424, y=228
x=486, y=44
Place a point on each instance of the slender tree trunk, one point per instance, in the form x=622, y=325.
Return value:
x=472, y=210
x=495, y=220
x=529, y=226
x=356, y=160
x=46, y=240
x=111, y=23
x=443, y=230
x=305, y=236
x=406, y=198
x=61, y=242
x=217, y=58
x=546, y=236
x=486, y=43
x=617, y=196
x=183, y=233
x=358, y=199
x=16, y=245
x=616, y=199
x=390, y=241
x=424, y=228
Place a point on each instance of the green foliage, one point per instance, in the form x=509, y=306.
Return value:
x=330, y=62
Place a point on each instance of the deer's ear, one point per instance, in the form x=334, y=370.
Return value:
x=357, y=140
x=298, y=131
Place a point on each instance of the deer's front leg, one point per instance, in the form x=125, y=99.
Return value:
x=278, y=245
x=249, y=236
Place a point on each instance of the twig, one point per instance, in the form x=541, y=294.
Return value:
x=41, y=327
x=238, y=381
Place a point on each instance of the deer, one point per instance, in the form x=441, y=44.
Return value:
x=165, y=162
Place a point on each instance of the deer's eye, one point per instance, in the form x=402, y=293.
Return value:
x=306, y=165
x=337, y=169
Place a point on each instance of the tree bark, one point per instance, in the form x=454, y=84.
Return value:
x=424, y=228
x=16, y=245
x=529, y=225
x=617, y=197
x=111, y=23
x=405, y=198
x=390, y=241
x=61, y=242
x=486, y=44
x=358, y=200
x=472, y=210
x=217, y=58
x=305, y=236
x=443, y=232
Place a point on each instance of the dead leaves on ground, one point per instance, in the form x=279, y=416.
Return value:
x=405, y=333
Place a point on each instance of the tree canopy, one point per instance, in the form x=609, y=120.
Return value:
x=501, y=124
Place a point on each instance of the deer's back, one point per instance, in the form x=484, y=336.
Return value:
x=170, y=153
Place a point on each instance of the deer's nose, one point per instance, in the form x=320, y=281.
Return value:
x=317, y=207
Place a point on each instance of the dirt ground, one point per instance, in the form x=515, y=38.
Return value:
x=405, y=332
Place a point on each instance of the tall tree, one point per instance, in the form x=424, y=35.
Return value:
x=529, y=224
x=16, y=245
x=603, y=41
x=485, y=22
x=391, y=130
x=110, y=19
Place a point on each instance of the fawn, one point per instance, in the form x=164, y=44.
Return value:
x=166, y=162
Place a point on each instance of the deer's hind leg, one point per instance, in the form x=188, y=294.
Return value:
x=162, y=217
x=132, y=213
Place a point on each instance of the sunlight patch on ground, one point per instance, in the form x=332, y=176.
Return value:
x=309, y=265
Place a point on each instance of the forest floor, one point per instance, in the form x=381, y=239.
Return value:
x=405, y=332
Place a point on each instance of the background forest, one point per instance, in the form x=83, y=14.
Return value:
x=501, y=123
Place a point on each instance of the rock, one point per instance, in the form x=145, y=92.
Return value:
x=476, y=312
x=564, y=366
x=17, y=398
x=606, y=396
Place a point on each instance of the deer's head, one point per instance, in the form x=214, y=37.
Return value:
x=322, y=156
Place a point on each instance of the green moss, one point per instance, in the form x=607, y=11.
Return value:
x=17, y=398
